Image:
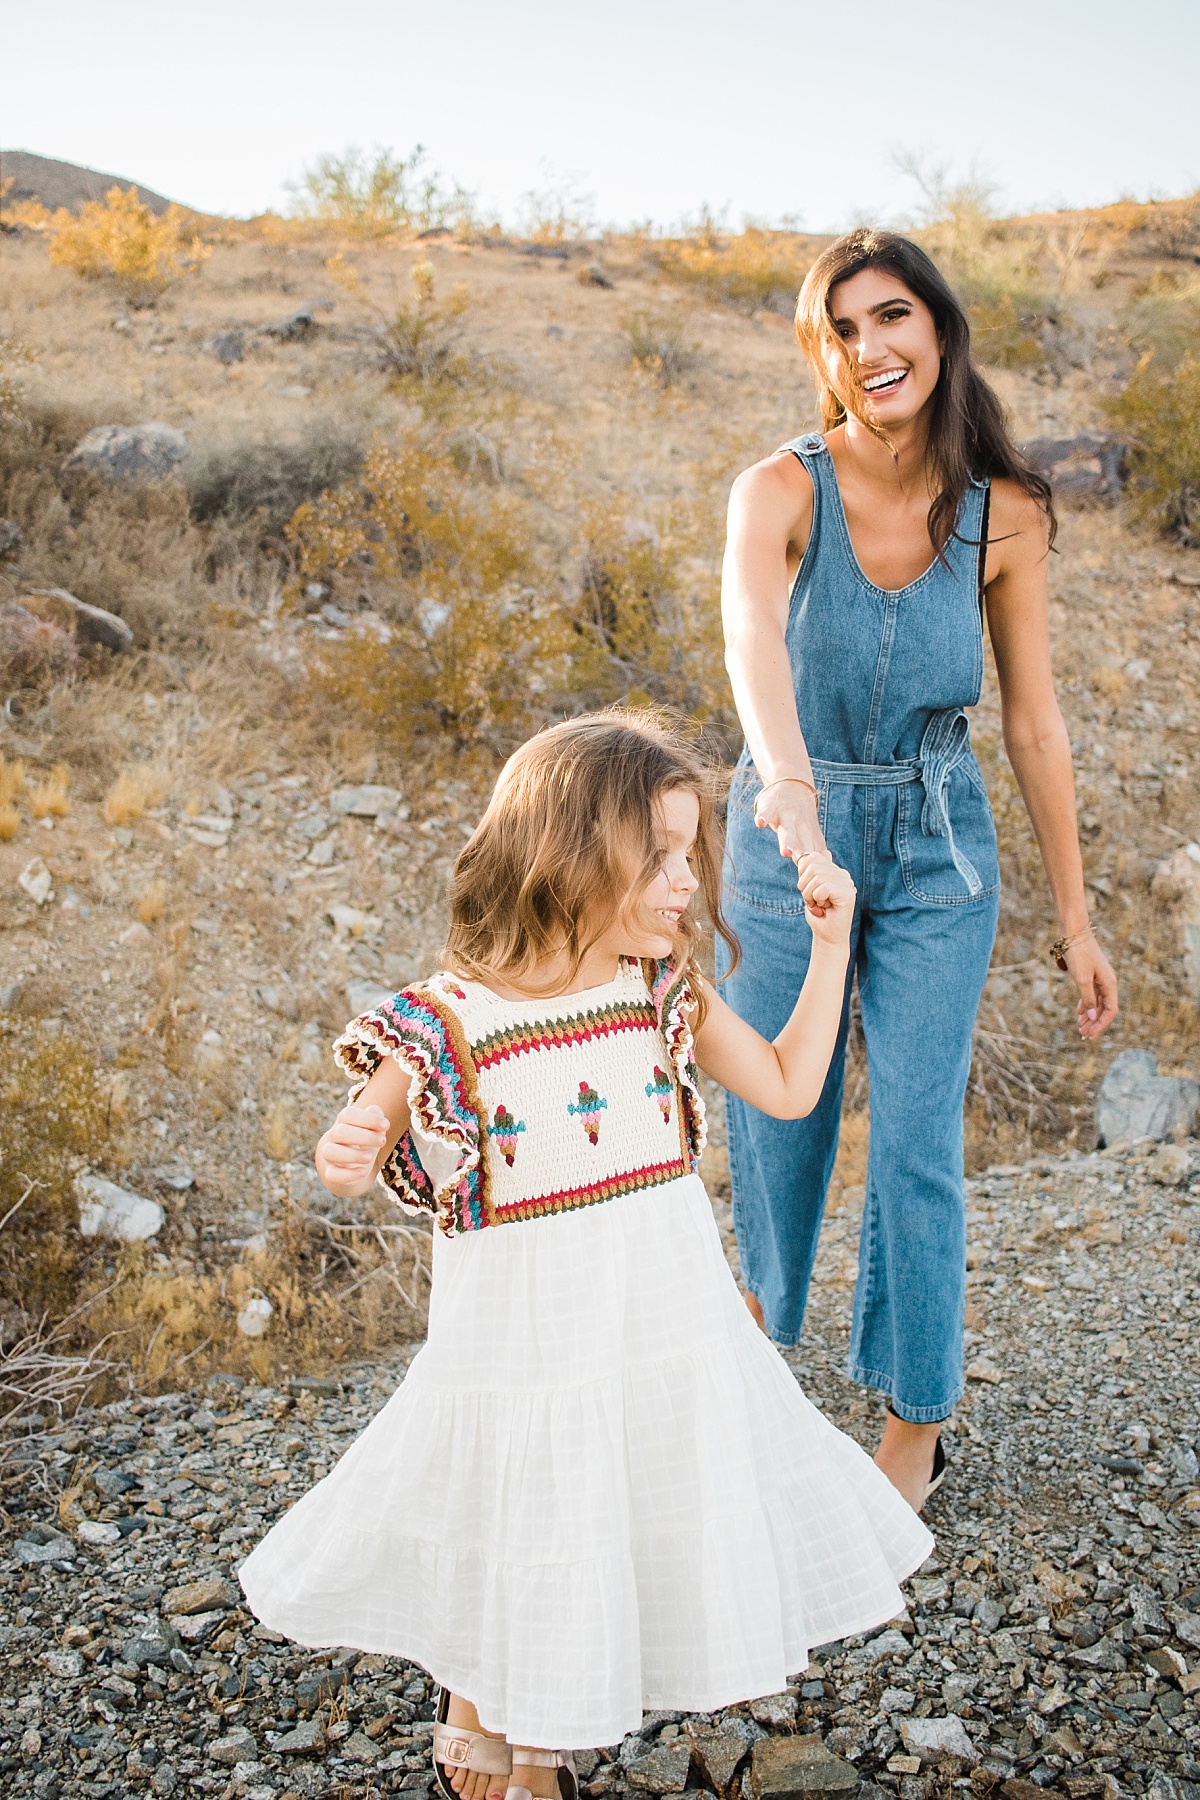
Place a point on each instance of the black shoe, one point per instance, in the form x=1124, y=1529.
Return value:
x=939, y=1460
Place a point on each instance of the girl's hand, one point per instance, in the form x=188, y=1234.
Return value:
x=790, y=811
x=346, y=1156
x=1093, y=975
x=829, y=896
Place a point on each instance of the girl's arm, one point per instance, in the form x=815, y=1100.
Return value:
x=785, y=1078
x=364, y=1134
x=770, y=516
x=1035, y=735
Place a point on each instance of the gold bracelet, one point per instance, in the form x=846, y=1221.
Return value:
x=1060, y=946
x=779, y=781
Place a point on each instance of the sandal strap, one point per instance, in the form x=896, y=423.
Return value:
x=547, y=1759
x=459, y=1748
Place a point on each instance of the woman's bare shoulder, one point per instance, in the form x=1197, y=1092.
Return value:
x=1018, y=528
x=778, y=486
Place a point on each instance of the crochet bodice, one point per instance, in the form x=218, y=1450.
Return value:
x=523, y=1108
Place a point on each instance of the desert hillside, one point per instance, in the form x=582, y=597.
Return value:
x=417, y=493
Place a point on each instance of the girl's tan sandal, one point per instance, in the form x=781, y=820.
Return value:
x=562, y=1760
x=455, y=1747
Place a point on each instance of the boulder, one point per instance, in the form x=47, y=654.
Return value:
x=297, y=325
x=718, y=1754
x=664, y=1770
x=128, y=452
x=229, y=346
x=1092, y=466
x=42, y=1544
x=795, y=1768
x=1135, y=1101
x=36, y=880
x=941, y=1743
x=236, y=1746
x=106, y=1210
x=90, y=624
x=152, y=1642
x=365, y=802
x=308, y=1739
x=200, y=1596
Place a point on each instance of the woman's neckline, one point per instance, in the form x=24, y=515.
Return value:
x=891, y=593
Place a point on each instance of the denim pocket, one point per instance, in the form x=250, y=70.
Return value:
x=755, y=873
x=954, y=870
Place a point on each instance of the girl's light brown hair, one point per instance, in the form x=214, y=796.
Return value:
x=968, y=435
x=571, y=835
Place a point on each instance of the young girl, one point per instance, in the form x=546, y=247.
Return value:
x=598, y=1488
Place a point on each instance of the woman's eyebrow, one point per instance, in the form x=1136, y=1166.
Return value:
x=880, y=306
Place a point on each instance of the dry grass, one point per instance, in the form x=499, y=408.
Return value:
x=12, y=781
x=50, y=799
x=136, y=791
x=152, y=902
x=10, y=822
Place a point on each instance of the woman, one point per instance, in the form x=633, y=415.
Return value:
x=858, y=567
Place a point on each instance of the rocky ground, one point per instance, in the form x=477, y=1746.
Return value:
x=1051, y=1642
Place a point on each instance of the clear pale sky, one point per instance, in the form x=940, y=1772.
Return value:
x=653, y=106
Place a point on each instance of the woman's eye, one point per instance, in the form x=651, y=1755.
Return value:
x=895, y=312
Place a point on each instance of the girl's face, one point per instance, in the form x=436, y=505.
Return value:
x=890, y=342
x=649, y=919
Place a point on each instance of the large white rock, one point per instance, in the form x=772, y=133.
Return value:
x=129, y=452
x=255, y=1316
x=1135, y=1101
x=36, y=880
x=366, y=802
x=939, y=1740
x=106, y=1210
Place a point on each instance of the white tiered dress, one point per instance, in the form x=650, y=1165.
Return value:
x=599, y=1487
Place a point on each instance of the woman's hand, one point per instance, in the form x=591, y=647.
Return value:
x=829, y=896
x=1093, y=975
x=790, y=811
x=347, y=1155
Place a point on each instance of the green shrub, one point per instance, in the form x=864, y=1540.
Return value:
x=1160, y=410
x=748, y=269
x=379, y=194
x=1164, y=317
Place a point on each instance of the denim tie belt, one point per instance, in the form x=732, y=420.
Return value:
x=946, y=741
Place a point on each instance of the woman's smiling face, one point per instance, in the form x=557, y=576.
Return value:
x=886, y=352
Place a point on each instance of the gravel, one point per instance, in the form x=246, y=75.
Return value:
x=1052, y=1642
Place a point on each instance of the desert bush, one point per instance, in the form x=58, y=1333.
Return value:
x=34, y=653
x=418, y=340
x=136, y=791
x=13, y=356
x=267, y=481
x=648, y=616
x=1160, y=410
x=381, y=193
x=50, y=799
x=748, y=270
x=56, y=1115
x=135, y=550
x=122, y=239
x=659, y=344
x=463, y=642
x=557, y=214
x=1164, y=318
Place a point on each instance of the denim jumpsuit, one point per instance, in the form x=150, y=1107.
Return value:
x=881, y=678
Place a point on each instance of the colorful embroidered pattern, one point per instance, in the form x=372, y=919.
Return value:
x=492, y=1083
x=503, y=1133
x=588, y=1109
x=519, y=1040
x=568, y=1199
x=443, y=1095
x=662, y=1089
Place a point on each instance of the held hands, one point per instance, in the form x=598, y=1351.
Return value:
x=829, y=896
x=790, y=811
x=347, y=1154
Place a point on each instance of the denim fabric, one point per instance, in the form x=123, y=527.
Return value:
x=881, y=677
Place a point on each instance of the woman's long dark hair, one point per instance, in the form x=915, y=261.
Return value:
x=968, y=435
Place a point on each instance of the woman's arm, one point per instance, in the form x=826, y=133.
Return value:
x=785, y=1078
x=1035, y=735
x=770, y=514
x=364, y=1134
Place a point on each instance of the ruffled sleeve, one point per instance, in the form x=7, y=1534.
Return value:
x=673, y=999
x=435, y=1167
